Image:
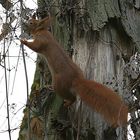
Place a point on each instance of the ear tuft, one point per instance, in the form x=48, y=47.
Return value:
x=46, y=21
x=34, y=16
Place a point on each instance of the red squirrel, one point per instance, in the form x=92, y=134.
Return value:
x=68, y=79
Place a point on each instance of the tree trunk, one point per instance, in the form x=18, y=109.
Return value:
x=101, y=36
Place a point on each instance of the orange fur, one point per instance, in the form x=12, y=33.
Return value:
x=68, y=79
x=103, y=100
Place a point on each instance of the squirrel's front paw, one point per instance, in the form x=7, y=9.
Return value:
x=23, y=41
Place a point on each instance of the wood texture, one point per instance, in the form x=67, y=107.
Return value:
x=112, y=30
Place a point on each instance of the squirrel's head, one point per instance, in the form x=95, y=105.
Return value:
x=35, y=25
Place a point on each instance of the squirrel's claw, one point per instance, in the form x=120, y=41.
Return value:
x=23, y=41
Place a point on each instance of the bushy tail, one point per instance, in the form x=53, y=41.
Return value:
x=103, y=100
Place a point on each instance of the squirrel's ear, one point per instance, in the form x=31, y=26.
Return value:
x=34, y=16
x=46, y=21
